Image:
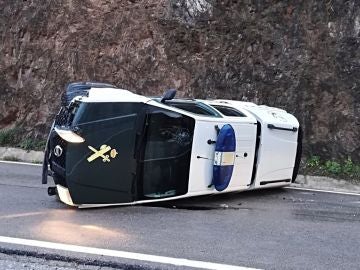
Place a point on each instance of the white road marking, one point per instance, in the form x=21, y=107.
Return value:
x=325, y=191
x=122, y=254
x=20, y=163
x=23, y=215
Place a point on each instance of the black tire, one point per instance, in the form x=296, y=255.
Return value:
x=80, y=89
x=52, y=191
x=298, y=155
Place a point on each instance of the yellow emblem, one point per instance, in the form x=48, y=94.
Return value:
x=113, y=153
x=104, y=149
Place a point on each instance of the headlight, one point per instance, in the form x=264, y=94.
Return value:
x=69, y=135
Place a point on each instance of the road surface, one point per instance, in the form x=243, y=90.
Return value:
x=269, y=229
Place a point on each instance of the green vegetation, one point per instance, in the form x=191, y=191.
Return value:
x=31, y=144
x=15, y=137
x=345, y=169
x=313, y=162
x=8, y=136
x=333, y=167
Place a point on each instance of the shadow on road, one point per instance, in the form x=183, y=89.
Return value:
x=226, y=201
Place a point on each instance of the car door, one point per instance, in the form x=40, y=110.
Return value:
x=246, y=136
x=163, y=169
x=245, y=154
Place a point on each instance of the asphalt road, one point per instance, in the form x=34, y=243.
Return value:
x=269, y=229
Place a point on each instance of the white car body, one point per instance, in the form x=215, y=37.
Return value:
x=263, y=163
x=277, y=148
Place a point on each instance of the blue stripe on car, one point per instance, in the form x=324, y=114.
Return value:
x=222, y=168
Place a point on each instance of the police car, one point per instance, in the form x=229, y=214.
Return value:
x=109, y=146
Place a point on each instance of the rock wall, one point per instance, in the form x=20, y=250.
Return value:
x=299, y=55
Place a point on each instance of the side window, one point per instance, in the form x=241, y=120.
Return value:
x=169, y=135
x=197, y=108
x=228, y=111
x=166, y=163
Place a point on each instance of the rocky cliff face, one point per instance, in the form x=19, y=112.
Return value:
x=303, y=56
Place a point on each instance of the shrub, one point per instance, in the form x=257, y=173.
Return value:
x=313, y=162
x=32, y=144
x=348, y=166
x=8, y=136
x=332, y=167
x=13, y=137
x=345, y=169
x=11, y=158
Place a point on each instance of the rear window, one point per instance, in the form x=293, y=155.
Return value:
x=228, y=111
x=196, y=108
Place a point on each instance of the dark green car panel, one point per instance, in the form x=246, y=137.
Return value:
x=105, y=179
x=132, y=151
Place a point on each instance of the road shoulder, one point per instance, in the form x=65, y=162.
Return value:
x=326, y=183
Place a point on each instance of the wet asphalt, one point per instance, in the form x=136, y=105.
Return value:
x=266, y=229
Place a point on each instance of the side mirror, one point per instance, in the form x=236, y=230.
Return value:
x=169, y=95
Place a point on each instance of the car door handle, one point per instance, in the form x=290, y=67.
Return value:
x=271, y=126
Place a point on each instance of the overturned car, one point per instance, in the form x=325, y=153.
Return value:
x=109, y=146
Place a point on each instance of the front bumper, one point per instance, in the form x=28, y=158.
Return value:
x=64, y=195
x=54, y=164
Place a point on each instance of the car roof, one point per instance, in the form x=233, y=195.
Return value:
x=74, y=86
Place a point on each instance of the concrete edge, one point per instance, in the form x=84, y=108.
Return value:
x=326, y=183
x=17, y=154
x=302, y=181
